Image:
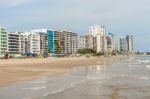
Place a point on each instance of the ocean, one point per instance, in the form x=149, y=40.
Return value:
x=127, y=78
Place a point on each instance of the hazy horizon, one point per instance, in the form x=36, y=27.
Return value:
x=119, y=17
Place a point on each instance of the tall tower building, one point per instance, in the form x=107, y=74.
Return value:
x=129, y=40
x=123, y=44
x=97, y=30
x=3, y=41
x=13, y=43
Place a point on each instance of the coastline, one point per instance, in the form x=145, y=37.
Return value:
x=14, y=71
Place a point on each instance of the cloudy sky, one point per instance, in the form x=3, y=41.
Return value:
x=121, y=17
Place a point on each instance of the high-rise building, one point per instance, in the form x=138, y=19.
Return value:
x=97, y=36
x=13, y=43
x=50, y=38
x=62, y=42
x=110, y=42
x=23, y=42
x=43, y=40
x=87, y=41
x=101, y=43
x=126, y=44
x=97, y=30
x=123, y=44
x=33, y=43
x=129, y=40
x=116, y=43
x=71, y=41
x=3, y=41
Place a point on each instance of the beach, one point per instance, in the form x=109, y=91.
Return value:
x=20, y=70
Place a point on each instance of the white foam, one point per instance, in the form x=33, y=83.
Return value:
x=147, y=66
x=36, y=88
x=143, y=61
x=95, y=77
x=78, y=82
x=54, y=92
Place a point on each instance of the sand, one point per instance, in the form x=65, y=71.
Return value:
x=13, y=71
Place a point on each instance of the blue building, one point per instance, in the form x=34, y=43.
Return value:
x=50, y=41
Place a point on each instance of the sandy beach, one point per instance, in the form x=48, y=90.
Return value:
x=19, y=70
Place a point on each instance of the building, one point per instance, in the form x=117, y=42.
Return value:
x=3, y=41
x=87, y=41
x=97, y=30
x=126, y=44
x=62, y=42
x=13, y=43
x=23, y=42
x=70, y=42
x=101, y=43
x=110, y=42
x=129, y=41
x=33, y=43
x=43, y=40
x=95, y=39
x=123, y=44
x=50, y=34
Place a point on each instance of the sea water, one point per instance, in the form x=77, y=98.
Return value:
x=127, y=78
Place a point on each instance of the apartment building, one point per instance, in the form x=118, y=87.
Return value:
x=33, y=43
x=13, y=43
x=129, y=41
x=87, y=41
x=43, y=40
x=95, y=39
x=71, y=40
x=3, y=41
x=62, y=42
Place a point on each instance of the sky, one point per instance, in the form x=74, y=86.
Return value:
x=120, y=17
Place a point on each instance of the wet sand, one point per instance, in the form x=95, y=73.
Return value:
x=20, y=70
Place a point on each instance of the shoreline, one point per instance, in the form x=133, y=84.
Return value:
x=14, y=71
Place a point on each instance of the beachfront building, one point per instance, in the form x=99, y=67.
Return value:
x=129, y=41
x=126, y=44
x=71, y=41
x=87, y=41
x=99, y=33
x=117, y=43
x=43, y=40
x=97, y=30
x=33, y=43
x=23, y=42
x=3, y=41
x=110, y=42
x=13, y=43
x=95, y=39
x=123, y=44
x=62, y=42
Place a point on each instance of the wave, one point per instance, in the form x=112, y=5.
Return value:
x=143, y=61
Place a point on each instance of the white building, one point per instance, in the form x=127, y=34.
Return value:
x=99, y=39
x=33, y=43
x=43, y=40
x=97, y=30
x=3, y=41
